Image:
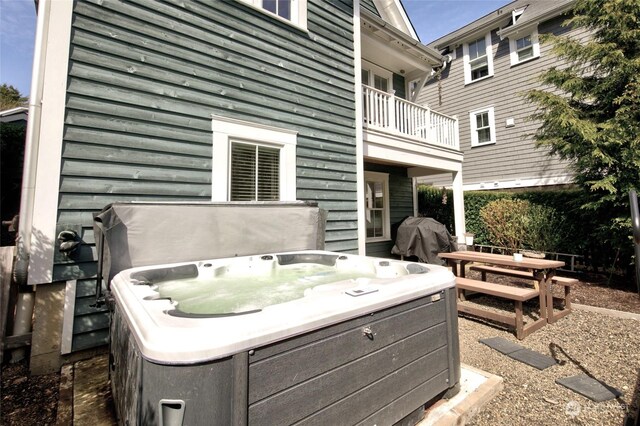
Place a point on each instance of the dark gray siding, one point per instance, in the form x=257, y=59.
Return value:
x=399, y=86
x=514, y=155
x=145, y=77
x=401, y=203
x=369, y=6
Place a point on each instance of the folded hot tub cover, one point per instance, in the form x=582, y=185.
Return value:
x=424, y=238
x=132, y=234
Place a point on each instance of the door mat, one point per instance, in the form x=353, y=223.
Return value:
x=587, y=386
x=519, y=353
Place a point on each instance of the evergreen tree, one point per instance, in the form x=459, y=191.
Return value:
x=10, y=97
x=591, y=114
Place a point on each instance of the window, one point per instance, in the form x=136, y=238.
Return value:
x=282, y=8
x=483, y=128
x=524, y=48
x=255, y=173
x=478, y=61
x=376, y=77
x=252, y=162
x=377, y=206
x=289, y=11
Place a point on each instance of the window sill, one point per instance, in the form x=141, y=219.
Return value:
x=524, y=61
x=479, y=145
x=377, y=240
x=478, y=79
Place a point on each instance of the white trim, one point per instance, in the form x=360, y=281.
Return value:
x=48, y=157
x=520, y=183
x=535, y=44
x=467, y=64
x=68, y=314
x=360, y=198
x=380, y=72
x=473, y=129
x=386, y=210
x=227, y=129
x=298, y=12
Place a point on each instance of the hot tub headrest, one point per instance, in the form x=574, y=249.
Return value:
x=142, y=234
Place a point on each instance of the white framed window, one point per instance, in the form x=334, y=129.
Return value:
x=483, y=127
x=478, y=59
x=376, y=77
x=377, y=206
x=289, y=11
x=252, y=162
x=524, y=48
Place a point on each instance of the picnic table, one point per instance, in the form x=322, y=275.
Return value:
x=541, y=271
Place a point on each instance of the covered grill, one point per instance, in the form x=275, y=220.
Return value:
x=424, y=238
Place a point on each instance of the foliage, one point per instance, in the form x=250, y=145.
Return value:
x=436, y=203
x=591, y=115
x=544, y=228
x=573, y=227
x=10, y=97
x=506, y=221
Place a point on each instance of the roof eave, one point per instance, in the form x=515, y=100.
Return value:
x=418, y=48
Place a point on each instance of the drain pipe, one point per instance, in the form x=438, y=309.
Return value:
x=433, y=74
x=635, y=224
x=32, y=141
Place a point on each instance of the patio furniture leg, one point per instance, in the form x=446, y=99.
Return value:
x=519, y=321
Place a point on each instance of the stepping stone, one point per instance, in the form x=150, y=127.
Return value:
x=533, y=358
x=519, y=353
x=587, y=386
x=501, y=344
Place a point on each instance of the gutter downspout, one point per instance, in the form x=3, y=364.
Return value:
x=32, y=142
x=433, y=74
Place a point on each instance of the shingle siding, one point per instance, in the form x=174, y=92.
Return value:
x=144, y=79
x=514, y=156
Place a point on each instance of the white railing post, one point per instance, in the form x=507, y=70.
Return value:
x=456, y=134
x=392, y=110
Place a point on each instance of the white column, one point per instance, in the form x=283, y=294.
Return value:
x=458, y=204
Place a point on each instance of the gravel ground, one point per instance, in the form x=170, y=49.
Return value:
x=600, y=346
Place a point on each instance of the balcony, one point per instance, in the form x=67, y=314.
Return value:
x=387, y=113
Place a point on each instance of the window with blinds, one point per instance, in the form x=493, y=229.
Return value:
x=255, y=172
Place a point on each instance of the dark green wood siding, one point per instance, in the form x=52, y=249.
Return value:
x=145, y=76
x=369, y=6
x=399, y=86
x=401, y=203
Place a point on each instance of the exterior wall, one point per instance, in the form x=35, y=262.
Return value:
x=513, y=159
x=144, y=79
x=369, y=6
x=400, y=204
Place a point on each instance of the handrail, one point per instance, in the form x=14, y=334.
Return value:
x=387, y=112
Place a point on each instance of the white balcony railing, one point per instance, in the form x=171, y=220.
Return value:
x=383, y=111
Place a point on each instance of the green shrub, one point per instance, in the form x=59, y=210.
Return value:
x=545, y=229
x=507, y=222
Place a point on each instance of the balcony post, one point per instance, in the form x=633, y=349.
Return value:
x=456, y=133
x=392, y=111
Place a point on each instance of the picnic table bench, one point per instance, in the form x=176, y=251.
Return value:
x=517, y=294
x=542, y=271
x=565, y=282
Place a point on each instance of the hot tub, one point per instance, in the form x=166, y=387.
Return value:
x=310, y=337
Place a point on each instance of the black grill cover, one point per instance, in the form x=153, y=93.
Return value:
x=424, y=238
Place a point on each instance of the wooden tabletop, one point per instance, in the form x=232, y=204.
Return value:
x=501, y=259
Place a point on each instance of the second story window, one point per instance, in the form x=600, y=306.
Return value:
x=524, y=48
x=478, y=63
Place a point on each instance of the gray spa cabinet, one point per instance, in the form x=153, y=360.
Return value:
x=370, y=351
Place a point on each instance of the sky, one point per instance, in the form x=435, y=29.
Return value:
x=431, y=18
